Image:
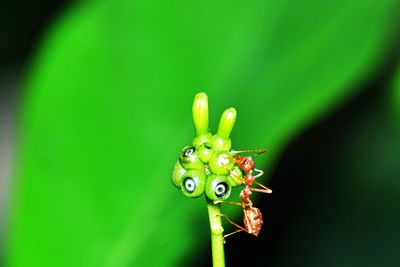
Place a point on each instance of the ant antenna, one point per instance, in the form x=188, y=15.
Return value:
x=257, y=151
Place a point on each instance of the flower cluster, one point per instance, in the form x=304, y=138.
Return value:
x=208, y=165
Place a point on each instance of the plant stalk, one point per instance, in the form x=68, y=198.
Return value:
x=217, y=239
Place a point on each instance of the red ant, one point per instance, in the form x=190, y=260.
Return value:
x=252, y=217
x=247, y=164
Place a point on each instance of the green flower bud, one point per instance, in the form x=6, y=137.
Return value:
x=220, y=144
x=177, y=174
x=198, y=140
x=205, y=151
x=226, y=123
x=200, y=114
x=190, y=159
x=193, y=183
x=217, y=187
x=221, y=162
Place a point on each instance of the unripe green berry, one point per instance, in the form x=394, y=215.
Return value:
x=217, y=187
x=193, y=183
x=205, y=151
x=189, y=159
x=177, y=174
x=221, y=162
x=220, y=144
x=205, y=138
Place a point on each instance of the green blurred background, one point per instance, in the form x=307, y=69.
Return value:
x=95, y=105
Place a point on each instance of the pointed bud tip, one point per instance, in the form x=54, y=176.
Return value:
x=230, y=113
x=226, y=123
x=200, y=113
x=201, y=96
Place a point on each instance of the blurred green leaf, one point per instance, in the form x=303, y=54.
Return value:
x=108, y=107
x=396, y=92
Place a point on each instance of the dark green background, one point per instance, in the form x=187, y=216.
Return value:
x=106, y=107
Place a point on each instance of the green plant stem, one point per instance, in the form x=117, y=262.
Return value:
x=217, y=239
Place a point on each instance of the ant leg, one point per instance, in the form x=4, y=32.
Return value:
x=263, y=186
x=260, y=173
x=228, y=202
x=237, y=231
x=257, y=151
x=261, y=190
x=235, y=176
x=232, y=222
x=242, y=204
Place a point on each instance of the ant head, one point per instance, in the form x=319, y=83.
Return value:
x=245, y=163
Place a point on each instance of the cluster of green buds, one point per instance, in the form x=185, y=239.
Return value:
x=208, y=165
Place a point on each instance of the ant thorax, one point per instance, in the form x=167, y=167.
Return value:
x=249, y=178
